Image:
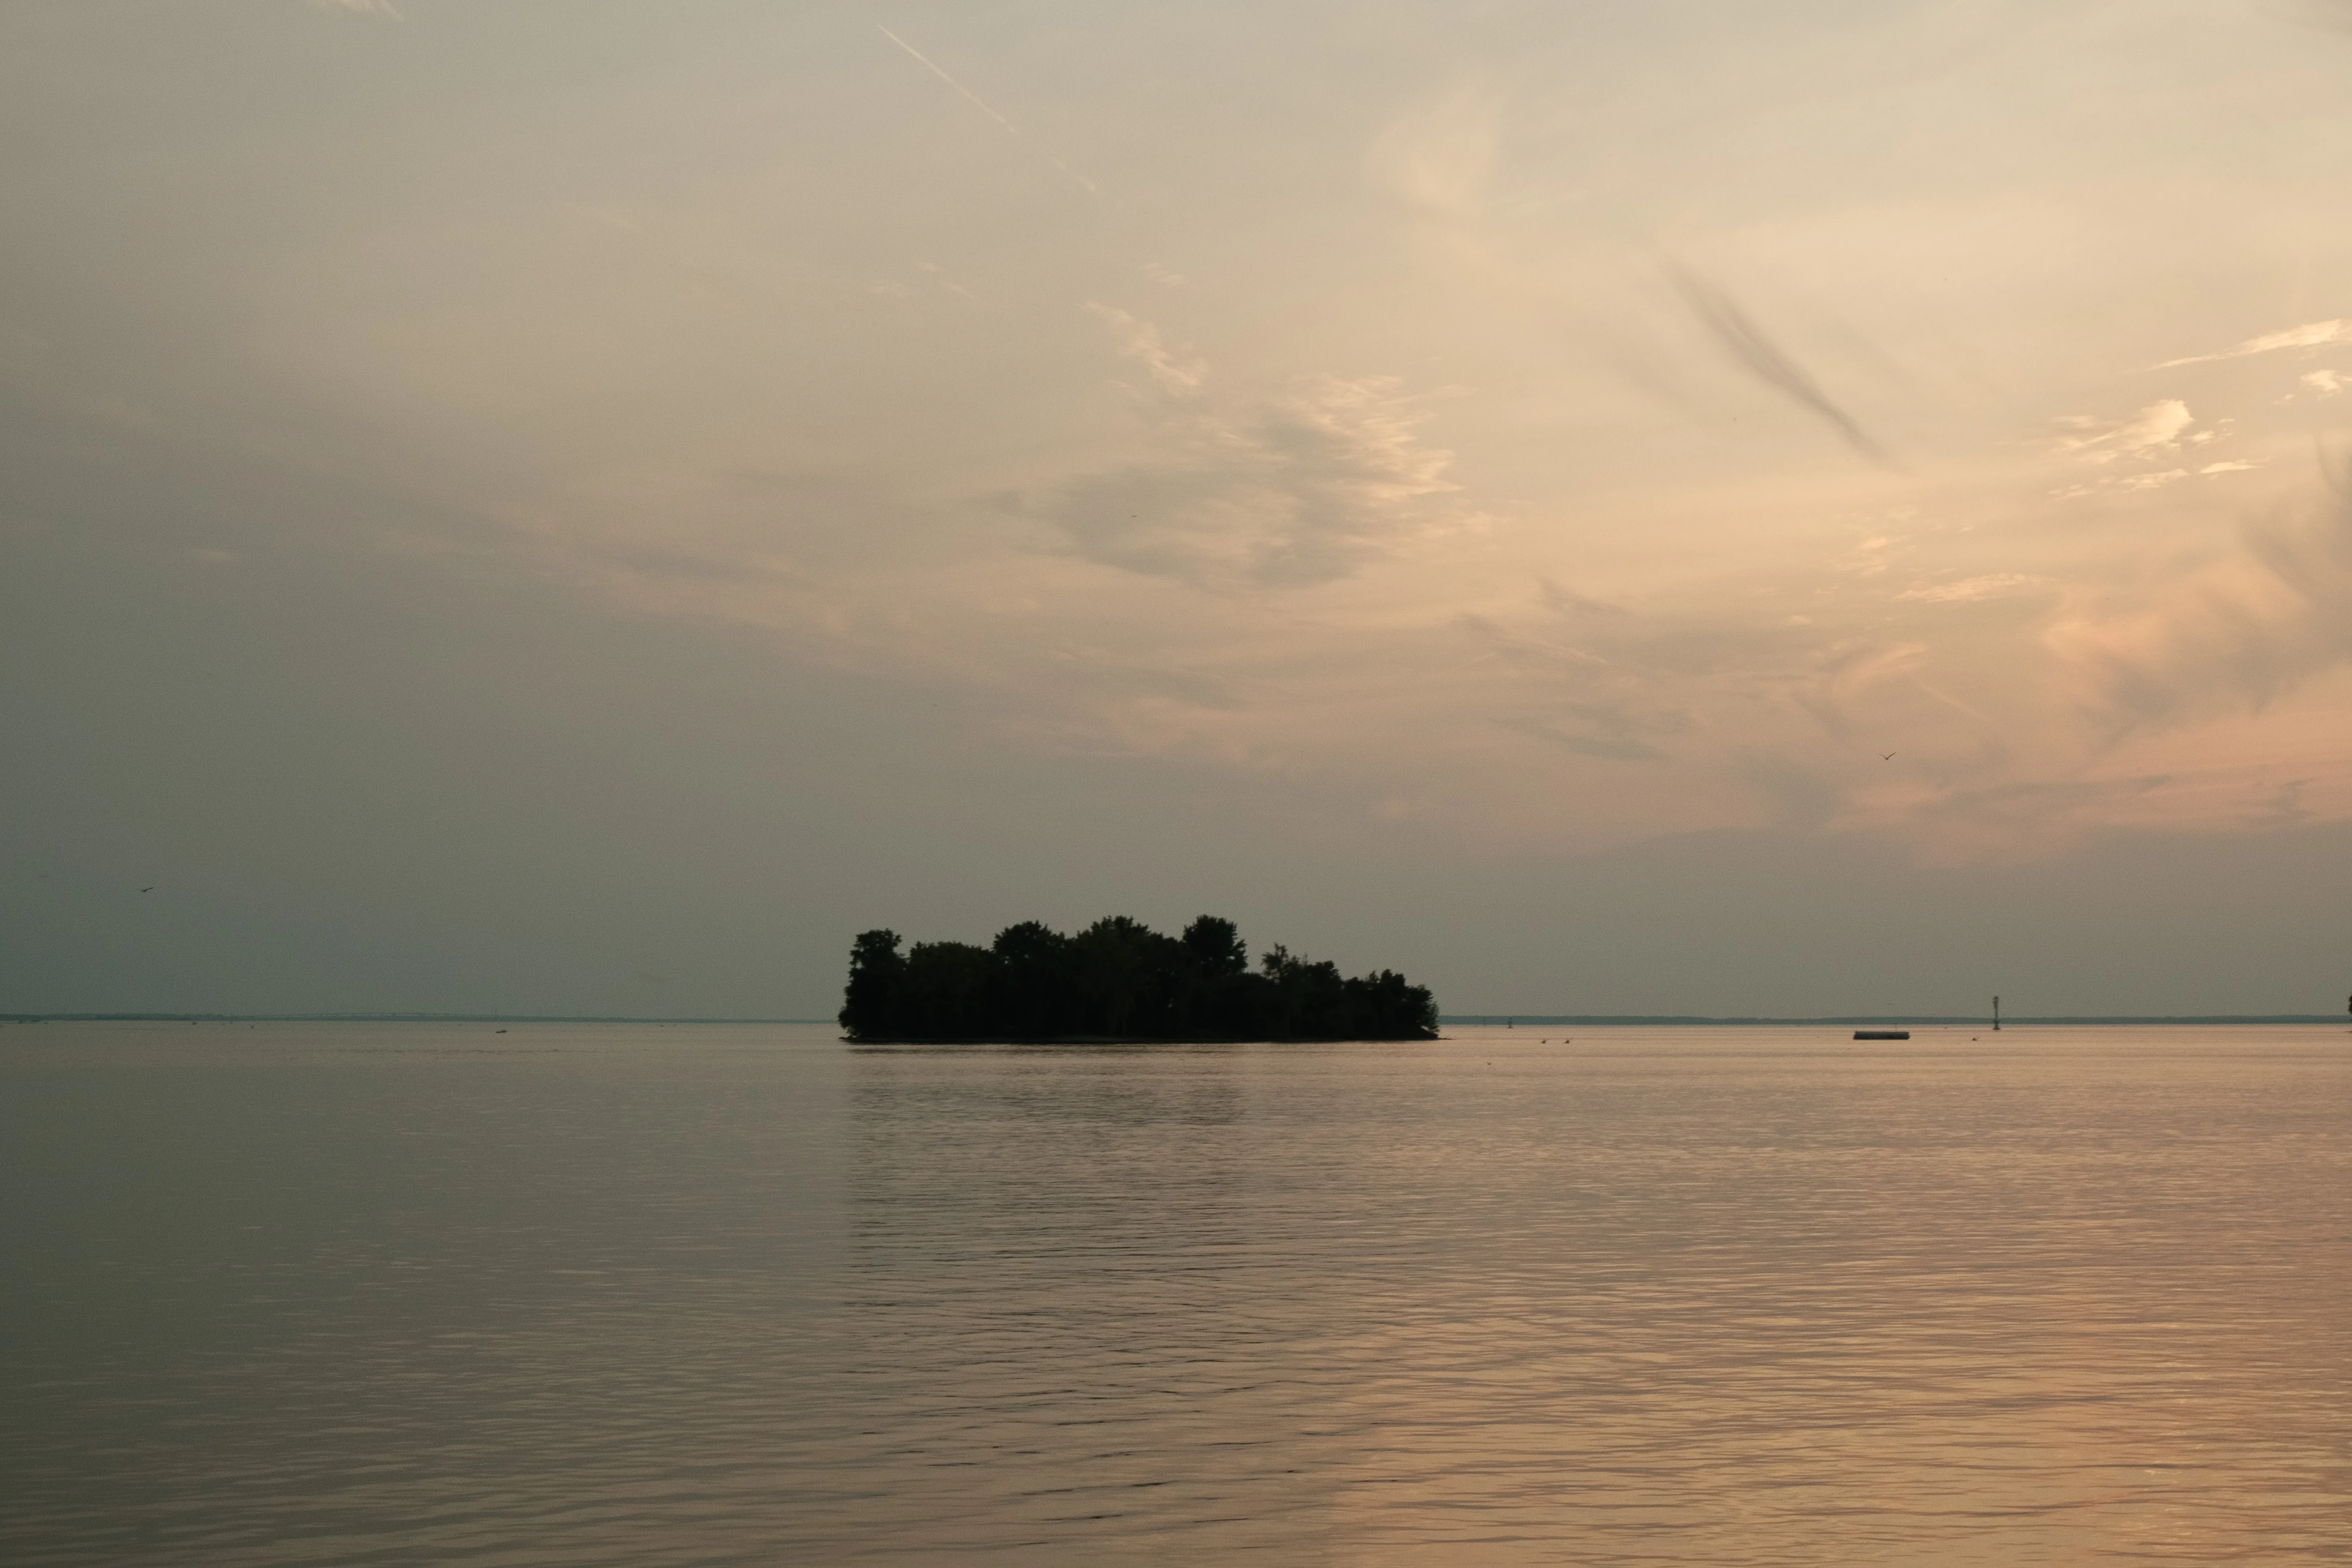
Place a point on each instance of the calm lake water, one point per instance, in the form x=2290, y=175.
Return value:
x=624, y=1295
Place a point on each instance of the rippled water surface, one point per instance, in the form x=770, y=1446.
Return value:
x=603, y=1295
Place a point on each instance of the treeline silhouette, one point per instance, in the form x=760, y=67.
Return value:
x=1118, y=979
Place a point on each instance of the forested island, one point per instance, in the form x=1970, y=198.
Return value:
x=1117, y=980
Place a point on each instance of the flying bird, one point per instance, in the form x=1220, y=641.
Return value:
x=149, y=888
x=1886, y=757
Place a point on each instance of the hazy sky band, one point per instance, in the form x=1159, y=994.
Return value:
x=642, y=492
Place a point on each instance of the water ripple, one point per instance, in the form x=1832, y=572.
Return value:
x=370, y=1295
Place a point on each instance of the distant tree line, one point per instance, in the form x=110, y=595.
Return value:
x=1118, y=979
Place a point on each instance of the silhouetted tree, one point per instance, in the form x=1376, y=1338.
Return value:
x=948, y=991
x=1118, y=979
x=876, y=982
x=1035, y=968
x=1216, y=945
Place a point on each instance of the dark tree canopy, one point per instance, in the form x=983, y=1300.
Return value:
x=1118, y=979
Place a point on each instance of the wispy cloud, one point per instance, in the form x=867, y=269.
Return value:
x=2281, y=806
x=1283, y=491
x=2313, y=335
x=2157, y=427
x=2234, y=637
x=1140, y=341
x=1567, y=601
x=1611, y=729
x=1577, y=700
x=1993, y=585
x=1440, y=157
x=1232, y=555
x=1767, y=360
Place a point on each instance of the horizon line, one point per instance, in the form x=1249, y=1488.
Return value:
x=1954, y=1020
x=377, y=1017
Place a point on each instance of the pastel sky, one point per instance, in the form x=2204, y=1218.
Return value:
x=575, y=505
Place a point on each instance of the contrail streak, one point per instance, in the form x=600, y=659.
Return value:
x=1766, y=361
x=977, y=102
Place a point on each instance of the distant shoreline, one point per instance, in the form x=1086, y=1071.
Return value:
x=1978, y=1021
x=372, y=1018
x=1594, y=1020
